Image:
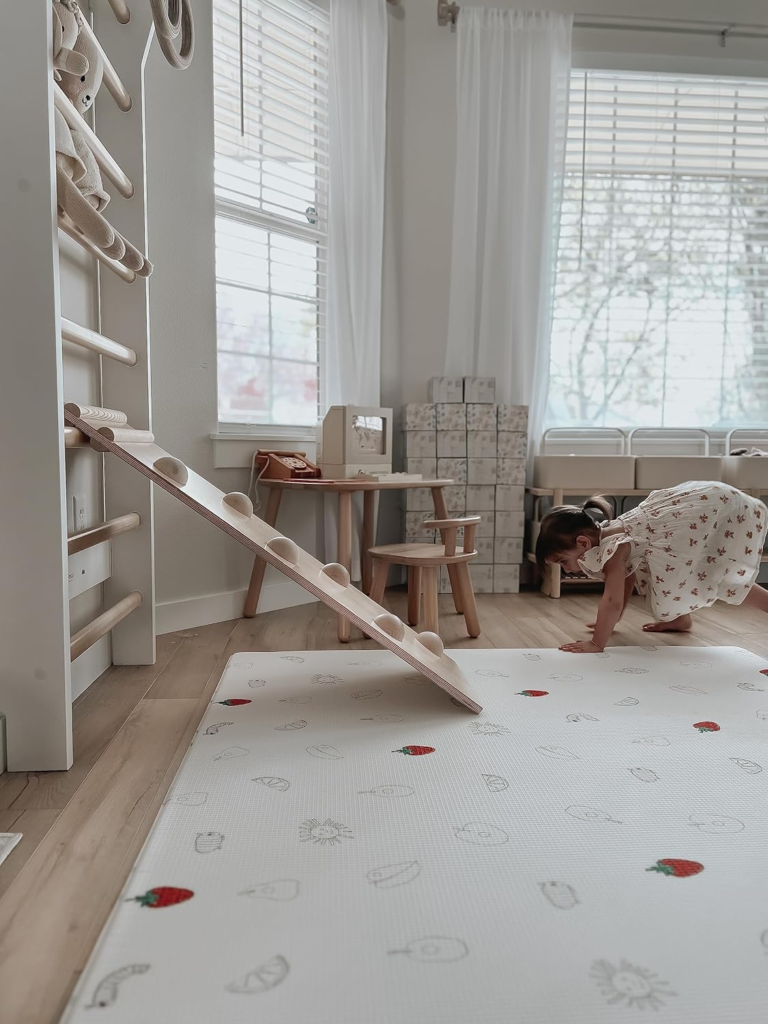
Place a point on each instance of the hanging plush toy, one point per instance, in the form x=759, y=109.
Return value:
x=70, y=170
x=82, y=89
x=91, y=187
x=65, y=33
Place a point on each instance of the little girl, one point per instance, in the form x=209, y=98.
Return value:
x=685, y=548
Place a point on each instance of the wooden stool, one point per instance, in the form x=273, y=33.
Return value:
x=423, y=561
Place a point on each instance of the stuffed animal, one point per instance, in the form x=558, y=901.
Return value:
x=65, y=32
x=91, y=187
x=70, y=170
x=82, y=89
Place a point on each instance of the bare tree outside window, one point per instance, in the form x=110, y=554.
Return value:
x=660, y=311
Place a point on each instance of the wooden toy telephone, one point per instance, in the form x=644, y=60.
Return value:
x=277, y=465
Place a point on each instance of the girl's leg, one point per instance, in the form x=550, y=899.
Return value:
x=757, y=598
x=679, y=625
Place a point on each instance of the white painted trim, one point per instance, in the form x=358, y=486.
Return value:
x=89, y=666
x=201, y=611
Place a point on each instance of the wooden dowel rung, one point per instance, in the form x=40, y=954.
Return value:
x=69, y=228
x=88, y=635
x=126, y=434
x=104, y=158
x=96, y=415
x=104, y=531
x=121, y=12
x=86, y=338
x=111, y=78
x=74, y=438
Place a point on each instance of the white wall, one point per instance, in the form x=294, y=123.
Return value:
x=422, y=139
x=201, y=574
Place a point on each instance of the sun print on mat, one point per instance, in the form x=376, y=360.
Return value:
x=630, y=986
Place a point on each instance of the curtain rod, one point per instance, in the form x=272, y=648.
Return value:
x=448, y=13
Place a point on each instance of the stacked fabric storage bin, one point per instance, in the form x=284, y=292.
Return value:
x=462, y=434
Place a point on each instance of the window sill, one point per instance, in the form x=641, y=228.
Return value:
x=234, y=447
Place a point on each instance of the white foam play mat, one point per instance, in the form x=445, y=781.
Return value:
x=343, y=845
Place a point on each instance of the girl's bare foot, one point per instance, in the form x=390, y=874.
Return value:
x=679, y=625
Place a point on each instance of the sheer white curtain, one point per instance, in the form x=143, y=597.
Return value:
x=357, y=141
x=513, y=77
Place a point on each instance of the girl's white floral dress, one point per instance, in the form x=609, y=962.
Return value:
x=689, y=546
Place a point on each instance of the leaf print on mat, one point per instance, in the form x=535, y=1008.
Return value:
x=716, y=824
x=590, y=814
x=393, y=875
x=213, y=729
x=750, y=767
x=383, y=718
x=627, y=702
x=257, y=684
x=263, y=978
x=560, y=894
x=644, y=774
x=479, y=834
x=491, y=673
x=229, y=752
x=388, y=791
x=653, y=741
x=496, y=783
x=190, y=799
x=292, y=657
x=367, y=694
x=295, y=700
x=632, y=671
x=108, y=989
x=324, y=750
x=581, y=717
x=273, y=782
x=291, y=726
x=561, y=753
x=282, y=890
x=435, y=949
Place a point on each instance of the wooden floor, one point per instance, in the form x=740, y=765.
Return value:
x=84, y=828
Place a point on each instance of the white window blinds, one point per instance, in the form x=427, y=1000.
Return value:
x=660, y=309
x=271, y=138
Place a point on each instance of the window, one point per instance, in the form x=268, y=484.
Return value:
x=271, y=118
x=661, y=311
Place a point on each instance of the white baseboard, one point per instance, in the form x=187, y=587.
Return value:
x=89, y=666
x=201, y=611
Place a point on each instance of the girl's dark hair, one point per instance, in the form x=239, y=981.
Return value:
x=561, y=527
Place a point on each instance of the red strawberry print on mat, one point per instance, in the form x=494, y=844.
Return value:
x=415, y=751
x=162, y=896
x=677, y=868
x=233, y=702
x=532, y=693
x=706, y=726
x=764, y=671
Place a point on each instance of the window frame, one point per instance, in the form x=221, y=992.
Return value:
x=243, y=213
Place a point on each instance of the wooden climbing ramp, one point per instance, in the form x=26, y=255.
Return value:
x=233, y=513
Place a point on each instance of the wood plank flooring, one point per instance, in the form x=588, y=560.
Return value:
x=84, y=828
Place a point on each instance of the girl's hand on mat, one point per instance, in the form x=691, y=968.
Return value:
x=582, y=647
